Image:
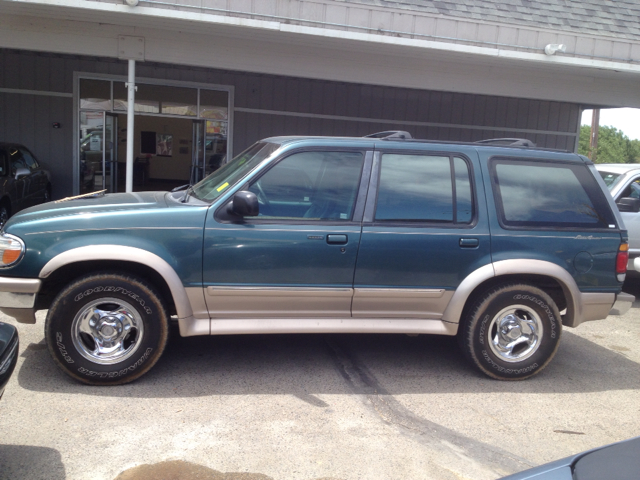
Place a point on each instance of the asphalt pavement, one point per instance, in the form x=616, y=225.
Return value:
x=308, y=407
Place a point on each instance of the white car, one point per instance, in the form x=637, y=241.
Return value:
x=623, y=181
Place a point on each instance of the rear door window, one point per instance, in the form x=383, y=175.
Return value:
x=424, y=188
x=548, y=194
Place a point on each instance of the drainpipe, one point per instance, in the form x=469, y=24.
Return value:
x=131, y=95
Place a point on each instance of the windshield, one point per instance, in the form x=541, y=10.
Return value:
x=610, y=179
x=215, y=184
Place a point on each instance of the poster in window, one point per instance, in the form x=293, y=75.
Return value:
x=164, y=145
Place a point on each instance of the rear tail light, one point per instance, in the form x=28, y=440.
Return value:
x=622, y=259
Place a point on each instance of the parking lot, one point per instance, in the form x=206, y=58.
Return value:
x=309, y=407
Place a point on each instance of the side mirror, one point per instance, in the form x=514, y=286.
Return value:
x=22, y=172
x=244, y=204
x=628, y=204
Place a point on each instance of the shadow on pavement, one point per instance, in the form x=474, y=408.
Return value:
x=304, y=365
x=34, y=463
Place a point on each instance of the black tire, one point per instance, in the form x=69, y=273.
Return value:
x=129, y=320
x=523, y=311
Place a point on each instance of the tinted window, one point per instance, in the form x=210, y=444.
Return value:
x=632, y=190
x=546, y=194
x=310, y=185
x=610, y=179
x=29, y=159
x=424, y=188
x=16, y=160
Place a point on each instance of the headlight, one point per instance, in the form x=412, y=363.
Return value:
x=11, y=250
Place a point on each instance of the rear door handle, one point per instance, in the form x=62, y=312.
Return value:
x=337, y=239
x=469, y=242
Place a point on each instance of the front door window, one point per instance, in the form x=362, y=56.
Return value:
x=311, y=186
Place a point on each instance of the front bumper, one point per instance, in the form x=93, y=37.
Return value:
x=18, y=297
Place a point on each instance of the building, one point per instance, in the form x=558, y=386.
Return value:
x=213, y=76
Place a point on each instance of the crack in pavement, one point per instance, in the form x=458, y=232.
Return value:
x=446, y=441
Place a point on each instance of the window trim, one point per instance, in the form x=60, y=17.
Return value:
x=599, y=202
x=372, y=201
x=221, y=215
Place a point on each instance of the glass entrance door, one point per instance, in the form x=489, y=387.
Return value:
x=198, y=156
x=98, y=152
x=110, y=153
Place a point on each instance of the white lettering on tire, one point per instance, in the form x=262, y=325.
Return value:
x=545, y=307
x=62, y=348
x=118, y=373
x=516, y=371
x=121, y=290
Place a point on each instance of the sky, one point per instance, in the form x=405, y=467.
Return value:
x=625, y=119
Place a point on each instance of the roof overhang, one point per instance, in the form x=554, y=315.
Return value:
x=178, y=36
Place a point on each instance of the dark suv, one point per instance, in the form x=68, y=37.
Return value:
x=499, y=243
x=23, y=182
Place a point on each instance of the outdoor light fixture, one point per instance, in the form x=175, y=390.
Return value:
x=550, y=49
x=131, y=3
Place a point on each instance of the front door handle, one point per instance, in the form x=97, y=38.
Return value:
x=337, y=239
x=469, y=242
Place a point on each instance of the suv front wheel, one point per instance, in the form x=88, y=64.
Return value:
x=511, y=332
x=107, y=329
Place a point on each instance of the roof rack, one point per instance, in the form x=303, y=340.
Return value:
x=389, y=134
x=496, y=142
x=508, y=142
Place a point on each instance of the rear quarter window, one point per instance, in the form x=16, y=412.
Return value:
x=548, y=194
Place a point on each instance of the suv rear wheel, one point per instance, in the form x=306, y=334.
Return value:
x=512, y=332
x=107, y=329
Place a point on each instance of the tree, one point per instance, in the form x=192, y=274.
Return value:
x=613, y=145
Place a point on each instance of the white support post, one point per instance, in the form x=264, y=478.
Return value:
x=131, y=96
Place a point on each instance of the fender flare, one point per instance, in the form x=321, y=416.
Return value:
x=453, y=312
x=131, y=254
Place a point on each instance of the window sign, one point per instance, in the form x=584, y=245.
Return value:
x=95, y=143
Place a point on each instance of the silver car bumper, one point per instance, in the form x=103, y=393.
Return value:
x=18, y=297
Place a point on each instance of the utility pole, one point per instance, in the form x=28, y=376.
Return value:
x=593, y=140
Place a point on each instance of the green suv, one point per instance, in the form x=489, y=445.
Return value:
x=498, y=243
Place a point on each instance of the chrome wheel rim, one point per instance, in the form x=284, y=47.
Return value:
x=107, y=331
x=515, y=333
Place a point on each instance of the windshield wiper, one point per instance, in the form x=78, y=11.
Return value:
x=181, y=187
x=186, y=195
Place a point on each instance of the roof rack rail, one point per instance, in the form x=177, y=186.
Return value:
x=508, y=142
x=389, y=134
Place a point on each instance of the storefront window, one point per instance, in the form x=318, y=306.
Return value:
x=95, y=94
x=158, y=99
x=214, y=104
